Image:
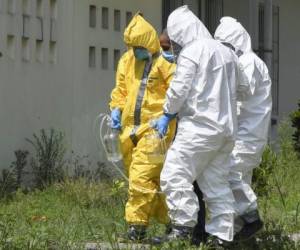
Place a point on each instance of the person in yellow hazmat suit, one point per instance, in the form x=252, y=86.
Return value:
x=142, y=79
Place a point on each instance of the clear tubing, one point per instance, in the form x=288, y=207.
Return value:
x=102, y=118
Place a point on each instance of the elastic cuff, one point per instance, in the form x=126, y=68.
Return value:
x=170, y=116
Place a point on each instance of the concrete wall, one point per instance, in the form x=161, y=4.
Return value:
x=289, y=40
x=289, y=54
x=34, y=94
x=66, y=94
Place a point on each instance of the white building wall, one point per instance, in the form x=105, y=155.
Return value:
x=61, y=92
x=33, y=94
x=289, y=40
x=289, y=54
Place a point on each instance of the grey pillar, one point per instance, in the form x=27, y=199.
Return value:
x=253, y=23
x=268, y=36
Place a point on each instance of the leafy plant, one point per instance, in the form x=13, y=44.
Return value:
x=295, y=118
x=8, y=184
x=262, y=174
x=47, y=165
x=81, y=167
x=19, y=165
x=11, y=179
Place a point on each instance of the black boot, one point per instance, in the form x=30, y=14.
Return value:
x=199, y=235
x=252, y=225
x=180, y=233
x=136, y=233
x=217, y=244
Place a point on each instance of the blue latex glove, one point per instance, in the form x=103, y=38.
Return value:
x=162, y=124
x=168, y=55
x=116, y=119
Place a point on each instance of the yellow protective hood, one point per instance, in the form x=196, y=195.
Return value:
x=140, y=33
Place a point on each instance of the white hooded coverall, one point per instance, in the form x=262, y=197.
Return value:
x=254, y=115
x=203, y=94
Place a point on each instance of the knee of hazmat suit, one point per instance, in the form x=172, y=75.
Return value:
x=254, y=112
x=203, y=94
x=140, y=90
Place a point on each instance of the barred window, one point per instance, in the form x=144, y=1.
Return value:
x=93, y=16
x=105, y=18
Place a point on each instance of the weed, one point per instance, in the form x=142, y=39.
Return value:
x=295, y=118
x=18, y=166
x=47, y=165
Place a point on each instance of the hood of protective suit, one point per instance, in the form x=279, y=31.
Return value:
x=184, y=27
x=231, y=31
x=140, y=33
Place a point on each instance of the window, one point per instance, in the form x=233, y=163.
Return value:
x=11, y=47
x=52, y=52
x=128, y=17
x=25, y=49
x=39, y=8
x=104, y=17
x=26, y=7
x=53, y=30
x=117, y=54
x=11, y=6
x=39, y=29
x=53, y=9
x=1, y=6
x=117, y=20
x=39, y=52
x=93, y=16
x=92, y=56
x=214, y=12
x=104, y=58
x=26, y=26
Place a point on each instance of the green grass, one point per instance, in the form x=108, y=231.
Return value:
x=61, y=217
x=69, y=214
x=281, y=201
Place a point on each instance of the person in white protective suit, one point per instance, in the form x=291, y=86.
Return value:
x=203, y=95
x=253, y=123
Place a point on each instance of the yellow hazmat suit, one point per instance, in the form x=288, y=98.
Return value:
x=140, y=93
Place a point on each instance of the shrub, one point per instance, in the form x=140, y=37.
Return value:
x=81, y=167
x=295, y=118
x=47, y=165
x=262, y=173
x=11, y=179
x=8, y=184
x=19, y=165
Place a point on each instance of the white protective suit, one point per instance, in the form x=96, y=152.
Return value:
x=203, y=93
x=254, y=115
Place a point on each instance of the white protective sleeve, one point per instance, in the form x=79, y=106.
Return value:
x=180, y=85
x=243, y=88
x=248, y=66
